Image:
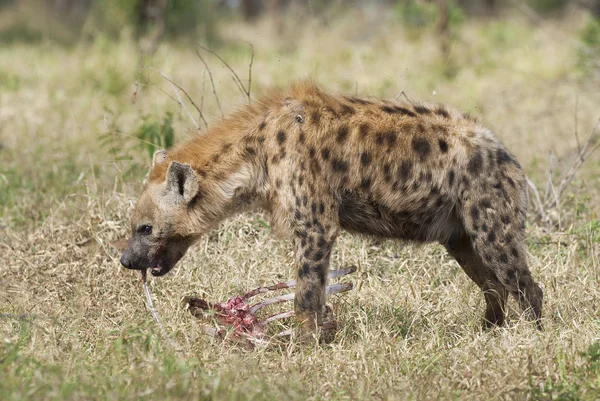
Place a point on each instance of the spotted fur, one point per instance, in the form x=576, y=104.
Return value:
x=318, y=163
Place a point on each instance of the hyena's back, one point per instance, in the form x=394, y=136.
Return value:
x=415, y=172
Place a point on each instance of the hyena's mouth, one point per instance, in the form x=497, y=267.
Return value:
x=159, y=271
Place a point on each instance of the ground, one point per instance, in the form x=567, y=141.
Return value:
x=73, y=322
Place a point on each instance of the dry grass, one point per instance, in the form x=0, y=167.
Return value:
x=73, y=323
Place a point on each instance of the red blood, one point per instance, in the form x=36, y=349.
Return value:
x=236, y=312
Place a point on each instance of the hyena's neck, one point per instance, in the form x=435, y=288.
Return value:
x=230, y=164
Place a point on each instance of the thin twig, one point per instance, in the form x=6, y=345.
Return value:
x=155, y=314
x=402, y=93
x=250, y=71
x=549, y=184
x=203, y=88
x=175, y=86
x=537, y=198
x=576, y=125
x=581, y=157
x=212, y=82
x=236, y=77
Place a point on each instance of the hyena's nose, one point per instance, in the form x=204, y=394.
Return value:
x=126, y=260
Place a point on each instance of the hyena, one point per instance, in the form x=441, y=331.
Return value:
x=318, y=163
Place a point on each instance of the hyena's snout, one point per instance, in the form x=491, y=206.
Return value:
x=129, y=261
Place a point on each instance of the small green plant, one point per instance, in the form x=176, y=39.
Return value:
x=548, y=6
x=155, y=134
x=415, y=14
x=588, y=57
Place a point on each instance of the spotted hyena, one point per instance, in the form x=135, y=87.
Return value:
x=318, y=163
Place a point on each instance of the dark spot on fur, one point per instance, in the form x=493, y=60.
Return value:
x=325, y=153
x=301, y=233
x=298, y=215
x=305, y=301
x=443, y=145
x=346, y=110
x=421, y=147
x=300, y=181
x=441, y=111
x=484, y=228
x=282, y=155
x=312, y=151
x=422, y=109
x=315, y=117
x=491, y=236
x=261, y=127
x=304, y=271
x=357, y=100
x=318, y=255
x=469, y=117
x=250, y=151
x=451, y=175
x=390, y=138
x=320, y=270
x=321, y=242
x=281, y=137
x=502, y=156
x=260, y=139
x=301, y=137
x=365, y=183
x=514, y=252
x=398, y=110
x=485, y=203
x=511, y=274
x=278, y=183
x=365, y=159
x=475, y=164
x=505, y=219
x=342, y=134
x=315, y=167
x=405, y=170
x=331, y=111
x=363, y=130
x=339, y=166
x=503, y=258
x=304, y=200
x=474, y=213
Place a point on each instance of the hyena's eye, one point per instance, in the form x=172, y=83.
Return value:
x=145, y=230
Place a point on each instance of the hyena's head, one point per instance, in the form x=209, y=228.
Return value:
x=161, y=230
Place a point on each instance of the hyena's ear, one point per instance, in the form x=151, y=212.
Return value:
x=159, y=157
x=182, y=183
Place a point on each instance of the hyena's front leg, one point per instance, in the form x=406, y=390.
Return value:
x=313, y=248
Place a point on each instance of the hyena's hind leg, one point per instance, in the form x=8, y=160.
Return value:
x=497, y=233
x=494, y=292
x=520, y=283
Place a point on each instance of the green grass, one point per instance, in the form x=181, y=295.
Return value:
x=74, y=325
